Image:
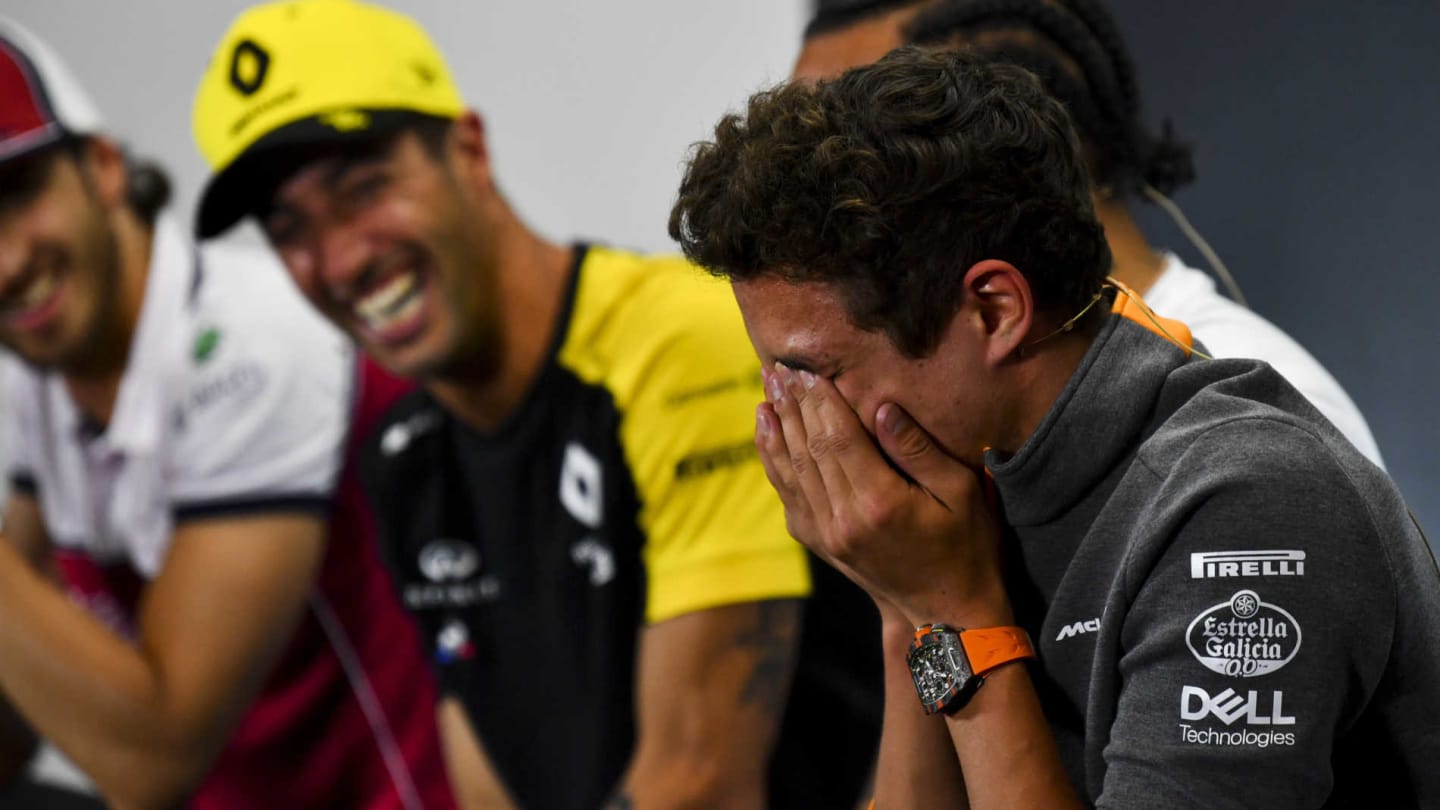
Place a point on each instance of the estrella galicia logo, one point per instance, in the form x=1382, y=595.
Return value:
x=446, y=560
x=1244, y=637
x=248, y=65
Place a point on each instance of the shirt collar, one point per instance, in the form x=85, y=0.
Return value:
x=1095, y=422
x=138, y=420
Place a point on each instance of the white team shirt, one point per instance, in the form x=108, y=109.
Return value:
x=1230, y=330
x=236, y=398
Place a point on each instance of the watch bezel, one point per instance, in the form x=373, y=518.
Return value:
x=961, y=678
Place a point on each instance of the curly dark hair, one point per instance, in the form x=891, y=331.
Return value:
x=1075, y=47
x=890, y=182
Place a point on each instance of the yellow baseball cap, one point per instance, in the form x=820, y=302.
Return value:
x=307, y=73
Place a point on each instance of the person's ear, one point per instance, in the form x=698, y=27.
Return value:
x=468, y=148
x=1000, y=297
x=102, y=163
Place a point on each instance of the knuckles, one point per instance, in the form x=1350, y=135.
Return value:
x=876, y=511
x=827, y=443
x=912, y=443
x=800, y=461
x=851, y=532
x=800, y=528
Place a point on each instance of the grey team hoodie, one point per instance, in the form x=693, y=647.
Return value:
x=1233, y=608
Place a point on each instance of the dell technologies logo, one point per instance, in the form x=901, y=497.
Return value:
x=1230, y=706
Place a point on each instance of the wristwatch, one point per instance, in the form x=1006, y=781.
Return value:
x=948, y=664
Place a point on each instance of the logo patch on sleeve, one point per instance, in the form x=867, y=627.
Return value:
x=205, y=344
x=1244, y=637
x=1250, y=720
x=1224, y=564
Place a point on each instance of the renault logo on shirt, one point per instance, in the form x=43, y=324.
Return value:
x=582, y=487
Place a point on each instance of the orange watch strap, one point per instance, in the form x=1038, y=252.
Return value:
x=989, y=647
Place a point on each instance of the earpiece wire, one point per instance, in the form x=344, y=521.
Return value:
x=1191, y=233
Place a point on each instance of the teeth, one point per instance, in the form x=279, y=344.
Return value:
x=35, y=294
x=394, y=300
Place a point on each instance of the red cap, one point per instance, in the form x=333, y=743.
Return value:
x=40, y=101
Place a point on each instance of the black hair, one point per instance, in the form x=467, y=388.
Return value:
x=273, y=166
x=433, y=132
x=148, y=188
x=1055, y=40
x=833, y=15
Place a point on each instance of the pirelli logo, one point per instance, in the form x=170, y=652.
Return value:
x=1225, y=564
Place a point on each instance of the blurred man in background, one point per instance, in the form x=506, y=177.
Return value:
x=1077, y=50
x=848, y=33
x=178, y=421
x=571, y=502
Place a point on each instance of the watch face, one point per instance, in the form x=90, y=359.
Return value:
x=934, y=677
x=940, y=670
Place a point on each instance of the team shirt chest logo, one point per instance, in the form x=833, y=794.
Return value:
x=447, y=560
x=453, y=643
x=582, y=493
x=398, y=436
x=1244, y=637
x=452, y=568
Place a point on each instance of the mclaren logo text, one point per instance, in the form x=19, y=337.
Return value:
x=1078, y=628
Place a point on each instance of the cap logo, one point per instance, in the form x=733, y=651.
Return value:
x=248, y=65
x=346, y=120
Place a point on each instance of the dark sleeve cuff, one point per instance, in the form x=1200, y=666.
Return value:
x=318, y=505
x=21, y=481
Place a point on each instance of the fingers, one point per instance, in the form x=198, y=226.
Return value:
x=793, y=431
x=775, y=458
x=913, y=450
x=836, y=444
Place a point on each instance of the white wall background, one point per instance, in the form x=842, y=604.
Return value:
x=590, y=105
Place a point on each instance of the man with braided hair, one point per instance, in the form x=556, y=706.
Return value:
x=1077, y=50
x=846, y=33
x=1227, y=604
